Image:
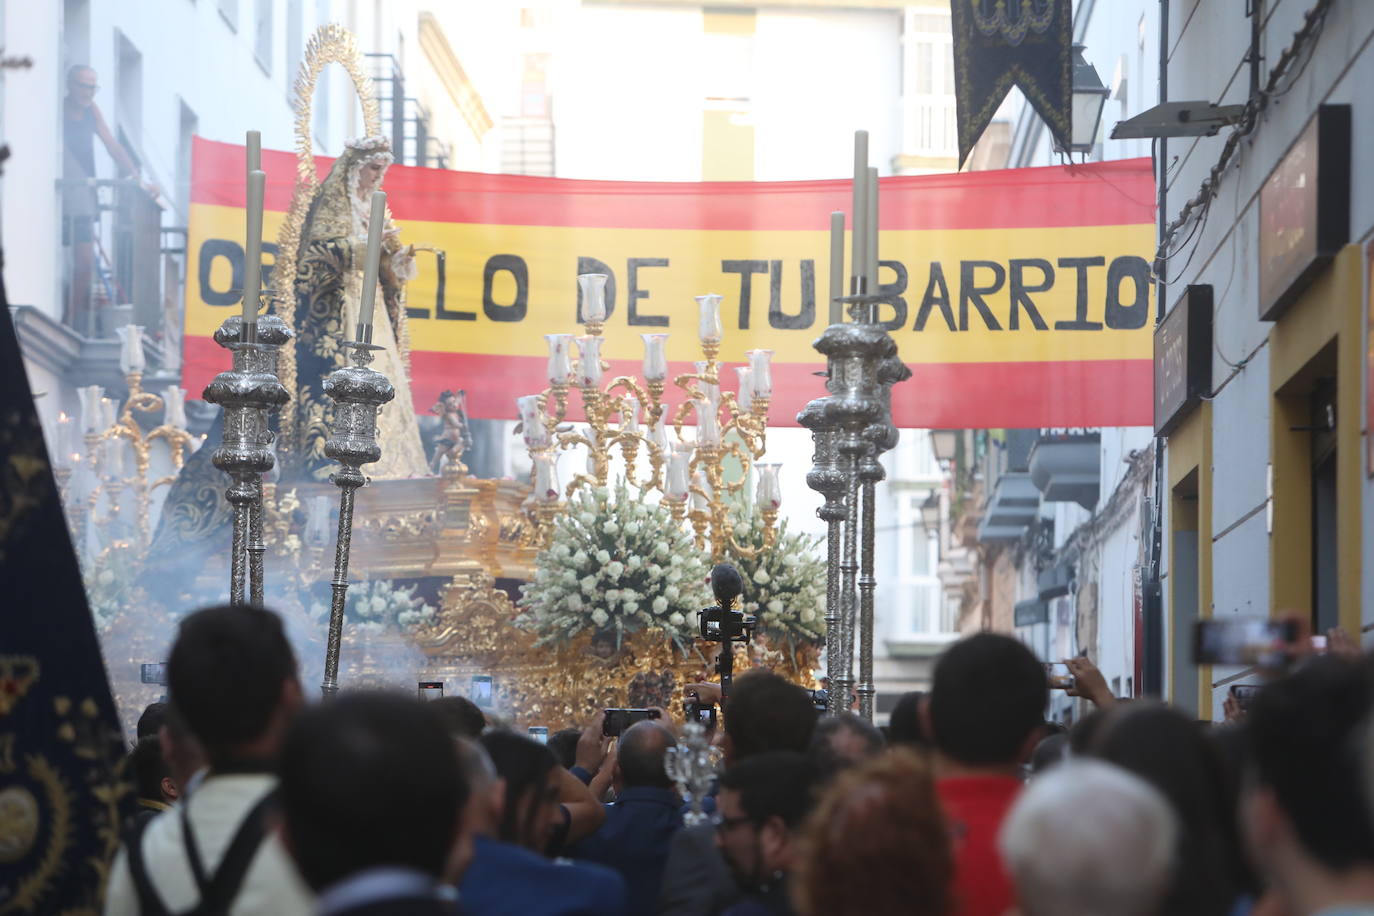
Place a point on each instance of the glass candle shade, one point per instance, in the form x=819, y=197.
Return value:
x=655, y=357
x=560, y=358
x=709, y=328
x=593, y=288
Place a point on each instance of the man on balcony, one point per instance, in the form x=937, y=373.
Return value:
x=82, y=122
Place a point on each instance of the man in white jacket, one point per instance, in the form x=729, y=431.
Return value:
x=231, y=677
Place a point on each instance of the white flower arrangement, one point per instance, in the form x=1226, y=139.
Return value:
x=609, y=567
x=784, y=587
x=374, y=606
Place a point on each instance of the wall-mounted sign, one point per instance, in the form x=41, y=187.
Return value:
x=1030, y=612
x=1183, y=358
x=1304, y=210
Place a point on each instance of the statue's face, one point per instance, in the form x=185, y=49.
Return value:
x=370, y=178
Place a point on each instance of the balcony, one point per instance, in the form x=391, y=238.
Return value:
x=1012, y=506
x=1065, y=467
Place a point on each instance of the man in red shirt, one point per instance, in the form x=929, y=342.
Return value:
x=985, y=715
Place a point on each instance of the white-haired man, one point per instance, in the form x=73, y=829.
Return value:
x=1090, y=839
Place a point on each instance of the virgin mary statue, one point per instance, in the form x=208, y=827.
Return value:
x=328, y=288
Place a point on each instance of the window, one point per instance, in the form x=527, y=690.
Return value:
x=928, y=85
x=262, y=35
x=229, y=9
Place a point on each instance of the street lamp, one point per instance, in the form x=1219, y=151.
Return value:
x=930, y=512
x=1089, y=98
x=944, y=442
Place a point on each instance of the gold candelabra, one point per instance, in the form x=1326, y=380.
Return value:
x=109, y=437
x=634, y=415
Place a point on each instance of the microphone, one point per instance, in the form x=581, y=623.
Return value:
x=726, y=585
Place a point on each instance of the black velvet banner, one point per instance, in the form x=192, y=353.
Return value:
x=62, y=798
x=1001, y=43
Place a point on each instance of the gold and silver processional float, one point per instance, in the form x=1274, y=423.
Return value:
x=851, y=427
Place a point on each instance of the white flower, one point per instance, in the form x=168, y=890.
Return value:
x=672, y=593
x=676, y=619
x=632, y=528
x=589, y=585
x=761, y=576
x=562, y=551
x=611, y=527
x=602, y=494
x=634, y=562
x=631, y=606
x=775, y=606
x=580, y=558
x=808, y=615
x=615, y=570
x=612, y=595
x=599, y=617
x=655, y=572
x=586, y=518
x=574, y=602
x=660, y=605
x=675, y=559
x=674, y=576
x=603, y=557
x=568, y=578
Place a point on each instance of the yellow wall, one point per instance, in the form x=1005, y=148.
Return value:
x=1320, y=335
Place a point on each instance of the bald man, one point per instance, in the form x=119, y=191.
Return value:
x=640, y=824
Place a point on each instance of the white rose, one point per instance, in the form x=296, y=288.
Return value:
x=575, y=602
x=632, y=528
x=589, y=584
x=611, y=527
x=615, y=570
x=808, y=615
x=674, y=575
x=612, y=595
x=660, y=605
x=775, y=606
x=568, y=578
x=655, y=572
x=599, y=617
x=631, y=607
x=586, y=518
x=676, y=619
x=675, y=559
x=761, y=576
x=634, y=562
x=672, y=593
x=580, y=558
x=603, y=557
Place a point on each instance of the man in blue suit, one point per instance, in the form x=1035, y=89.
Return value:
x=504, y=879
x=640, y=824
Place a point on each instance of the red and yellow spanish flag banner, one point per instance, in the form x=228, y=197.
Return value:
x=1021, y=297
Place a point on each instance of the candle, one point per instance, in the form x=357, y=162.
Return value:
x=708, y=321
x=589, y=361
x=701, y=492
x=712, y=392
x=375, y=225
x=871, y=244
x=858, y=258
x=655, y=357
x=130, y=349
x=629, y=415
x=560, y=365
x=61, y=446
x=90, y=396
x=679, y=462
x=769, y=492
x=252, y=252
x=658, y=435
x=761, y=372
x=532, y=420
x=708, y=424
x=174, y=401
x=593, y=290
x=546, y=478
x=745, y=399
x=254, y=150
x=836, y=266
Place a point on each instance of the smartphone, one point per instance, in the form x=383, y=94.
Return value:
x=540, y=733
x=703, y=714
x=154, y=673
x=617, y=720
x=431, y=690
x=1058, y=675
x=1245, y=694
x=480, y=692
x=1243, y=641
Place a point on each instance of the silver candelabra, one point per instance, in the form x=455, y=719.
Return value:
x=358, y=393
x=692, y=764
x=247, y=392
